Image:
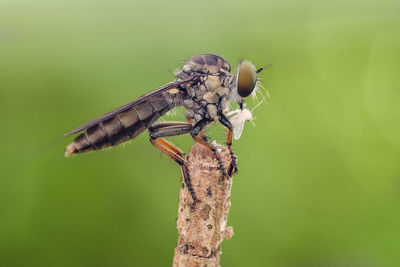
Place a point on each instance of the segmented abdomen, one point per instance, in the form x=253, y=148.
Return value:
x=122, y=127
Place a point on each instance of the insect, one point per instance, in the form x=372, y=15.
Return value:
x=204, y=86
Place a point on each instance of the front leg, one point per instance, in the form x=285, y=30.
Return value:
x=225, y=121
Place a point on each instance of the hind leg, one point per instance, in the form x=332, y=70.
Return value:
x=165, y=129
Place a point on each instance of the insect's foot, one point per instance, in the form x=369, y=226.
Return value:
x=233, y=166
x=194, y=197
x=221, y=166
x=224, y=173
x=188, y=183
x=232, y=169
x=195, y=202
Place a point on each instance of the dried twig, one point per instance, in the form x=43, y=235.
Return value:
x=202, y=225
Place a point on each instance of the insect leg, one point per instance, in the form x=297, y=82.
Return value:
x=169, y=128
x=201, y=135
x=225, y=121
x=164, y=129
x=203, y=140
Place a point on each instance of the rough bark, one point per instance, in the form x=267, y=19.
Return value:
x=202, y=225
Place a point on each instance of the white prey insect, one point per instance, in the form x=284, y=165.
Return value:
x=239, y=117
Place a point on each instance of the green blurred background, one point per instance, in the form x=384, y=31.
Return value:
x=319, y=175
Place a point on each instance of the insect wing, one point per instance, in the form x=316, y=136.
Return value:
x=238, y=121
x=111, y=114
x=238, y=129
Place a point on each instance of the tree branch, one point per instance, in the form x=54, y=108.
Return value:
x=202, y=225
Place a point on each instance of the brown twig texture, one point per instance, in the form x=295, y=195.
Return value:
x=202, y=224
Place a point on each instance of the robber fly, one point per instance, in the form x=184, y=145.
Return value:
x=204, y=86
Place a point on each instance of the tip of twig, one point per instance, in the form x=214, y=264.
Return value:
x=202, y=224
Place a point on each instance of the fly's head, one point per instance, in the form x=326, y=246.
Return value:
x=244, y=82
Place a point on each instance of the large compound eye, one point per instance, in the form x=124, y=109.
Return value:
x=247, y=78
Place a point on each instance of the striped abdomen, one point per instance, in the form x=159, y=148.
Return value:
x=122, y=127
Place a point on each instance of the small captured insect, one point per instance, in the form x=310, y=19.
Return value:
x=238, y=120
x=238, y=117
x=204, y=87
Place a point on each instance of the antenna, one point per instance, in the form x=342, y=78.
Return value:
x=260, y=69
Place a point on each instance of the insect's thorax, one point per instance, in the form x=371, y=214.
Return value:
x=202, y=99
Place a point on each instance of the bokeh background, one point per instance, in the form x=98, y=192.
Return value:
x=319, y=175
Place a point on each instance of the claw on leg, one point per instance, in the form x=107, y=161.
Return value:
x=203, y=141
x=233, y=167
x=225, y=121
x=186, y=178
